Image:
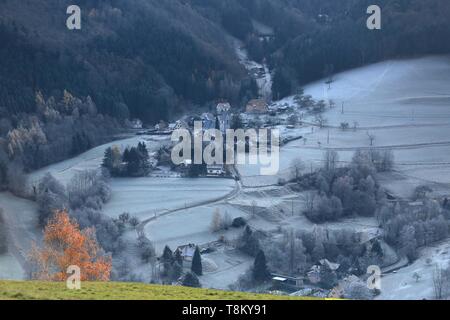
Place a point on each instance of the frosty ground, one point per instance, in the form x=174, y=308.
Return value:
x=404, y=104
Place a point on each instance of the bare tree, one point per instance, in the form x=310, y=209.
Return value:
x=371, y=138
x=331, y=159
x=439, y=283
x=295, y=252
x=344, y=126
x=309, y=201
x=297, y=167
x=216, y=222
x=227, y=221
x=320, y=120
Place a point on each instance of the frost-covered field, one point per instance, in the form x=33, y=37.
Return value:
x=405, y=104
x=92, y=159
x=402, y=285
x=189, y=226
x=10, y=268
x=21, y=221
x=145, y=197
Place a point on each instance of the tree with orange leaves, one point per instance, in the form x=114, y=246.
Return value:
x=66, y=245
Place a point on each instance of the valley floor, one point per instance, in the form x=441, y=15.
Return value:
x=405, y=104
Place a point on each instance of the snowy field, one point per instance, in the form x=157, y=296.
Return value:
x=92, y=159
x=190, y=226
x=221, y=268
x=405, y=104
x=10, y=268
x=402, y=285
x=21, y=220
x=145, y=197
x=230, y=265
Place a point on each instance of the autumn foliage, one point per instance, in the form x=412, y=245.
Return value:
x=66, y=245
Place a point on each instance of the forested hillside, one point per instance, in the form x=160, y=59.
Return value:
x=148, y=58
x=64, y=91
x=315, y=38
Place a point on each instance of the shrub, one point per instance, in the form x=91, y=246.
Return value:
x=191, y=280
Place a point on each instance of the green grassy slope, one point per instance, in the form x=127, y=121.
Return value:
x=28, y=290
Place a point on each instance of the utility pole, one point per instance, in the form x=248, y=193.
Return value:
x=292, y=207
x=342, y=108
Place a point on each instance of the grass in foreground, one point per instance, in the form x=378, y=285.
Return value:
x=36, y=290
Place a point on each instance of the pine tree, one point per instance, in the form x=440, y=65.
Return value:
x=197, y=267
x=167, y=254
x=260, y=271
x=108, y=159
x=167, y=259
x=144, y=157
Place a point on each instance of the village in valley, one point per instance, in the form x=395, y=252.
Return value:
x=361, y=192
x=228, y=229
x=308, y=230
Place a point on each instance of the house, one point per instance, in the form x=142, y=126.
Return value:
x=287, y=282
x=257, y=106
x=187, y=251
x=136, y=124
x=330, y=265
x=224, y=116
x=314, y=274
x=215, y=170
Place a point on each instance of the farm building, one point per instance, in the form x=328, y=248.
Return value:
x=187, y=251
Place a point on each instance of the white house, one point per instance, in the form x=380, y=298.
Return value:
x=187, y=251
